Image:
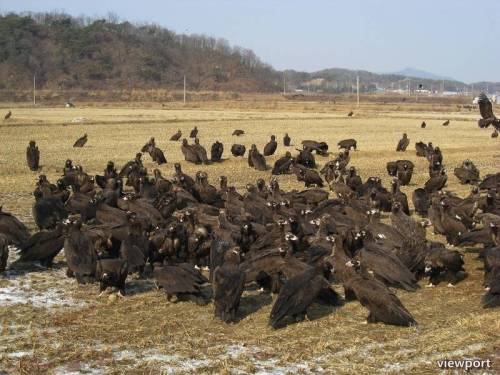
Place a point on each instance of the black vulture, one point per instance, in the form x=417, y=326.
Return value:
x=347, y=144
x=306, y=158
x=423, y=125
x=8, y=115
x=286, y=140
x=384, y=305
x=157, y=155
x=11, y=227
x=216, y=151
x=282, y=165
x=33, y=156
x=442, y=264
x=238, y=132
x=270, y=147
x=180, y=282
x=486, y=111
x=436, y=183
x=200, y=151
x=4, y=251
x=193, y=133
x=446, y=123
x=43, y=246
x=79, y=252
x=238, y=150
x=189, y=152
x=256, y=159
x=421, y=201
x=350, y=114
x=228, y=284
x=298, y=293
x=403, y=143
x=112, y=273
x=176, y=136
x=321, y=148
x=467, y=173
x=80, y=142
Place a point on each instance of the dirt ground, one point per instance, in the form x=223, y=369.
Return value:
x=48, y=323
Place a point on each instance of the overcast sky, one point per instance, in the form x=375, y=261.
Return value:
x=454, y=38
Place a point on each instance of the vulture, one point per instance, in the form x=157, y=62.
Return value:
x=403, y=143
x=8, y=115
x=12, y=228
x=270, y=147
x=256, y=159
x=4, y=251
x=111, y=273
x=176, y=136
x=286, y=140
x=384, y=305
x=80, y=142
x=423, y=125
x=436, y=183
x=421, y=201
x=157, y=155
x=467, y=173
x=228, y=284
x=446, y=123
x=238, y=132
x=321, y=148
x=200, y=151
x=283, y=164
x=350, y=114
x=189, y=152
x=33, y=156
x=347, y=144
x=238, y=150
x=306, y=158
x=79, y=252
x=492, y=297
x=421, y=149
x=486, y=111
x=43, y=246
x=442, y=264
x=216, y=151
x=494, y=134
x=298, y=293
x=180, y=282
x=194, y=133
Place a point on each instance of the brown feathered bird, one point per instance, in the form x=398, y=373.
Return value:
x=8, y=115
x=446, y=123
x=486, y=111
x=228, y=284
x=80, y=142
x=423, y=125
x=238, y=132
x=33, y=156
x=194, y=133
x=403, y=143
x=350, y=114
x=176, y=136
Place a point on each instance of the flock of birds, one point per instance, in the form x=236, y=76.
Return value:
x=186, y=234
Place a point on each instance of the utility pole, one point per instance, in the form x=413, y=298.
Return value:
x=184, y=89
x=357, y=88
x=34, y=89
x=284, y=84
x=442, y=88
x=409, y=92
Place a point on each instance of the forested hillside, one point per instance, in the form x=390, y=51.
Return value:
x=66, y=53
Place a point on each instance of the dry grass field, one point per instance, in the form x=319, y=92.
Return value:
x=50, y=324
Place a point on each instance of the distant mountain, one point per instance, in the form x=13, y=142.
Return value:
x=412, y=72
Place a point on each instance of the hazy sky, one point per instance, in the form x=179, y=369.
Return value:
x=455, y=38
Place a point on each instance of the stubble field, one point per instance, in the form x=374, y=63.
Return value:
x=50, y=324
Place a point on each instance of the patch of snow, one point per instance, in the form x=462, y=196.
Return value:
x=20, y=354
